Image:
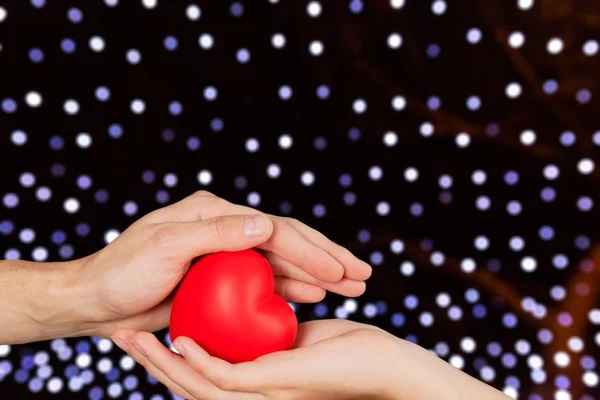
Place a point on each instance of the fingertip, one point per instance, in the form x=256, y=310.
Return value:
x=257, y=226
x=123, y=334
x=359, y=271
x=360, y=289
x=320, y=296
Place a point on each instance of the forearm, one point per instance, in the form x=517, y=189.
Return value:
x=40, y=301
x=434, y=379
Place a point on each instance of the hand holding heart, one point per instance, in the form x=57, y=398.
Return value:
x=131, y=280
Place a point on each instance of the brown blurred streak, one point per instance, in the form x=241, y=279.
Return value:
x=561, y=10
x=446, y=123
x=450, y=124
x=578, y=307
x=553, y=10
x=481, y=277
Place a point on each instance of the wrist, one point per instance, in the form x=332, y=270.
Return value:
x=420, y=374
x=59, y=306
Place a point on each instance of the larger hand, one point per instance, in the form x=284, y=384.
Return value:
x=128, y=283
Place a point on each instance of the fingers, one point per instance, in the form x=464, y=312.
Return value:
x=354, y=268
x=345, y=287
x=292, y=240
x=196, y=207
x=177, y=372
x=297, y=291
x=122, y=338
x=243, y=377
x=289, y=244
x=225, y=233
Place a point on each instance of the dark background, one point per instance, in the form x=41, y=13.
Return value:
x=329, y=139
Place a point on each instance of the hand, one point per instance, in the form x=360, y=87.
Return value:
x=129, y=282
x=331, y=359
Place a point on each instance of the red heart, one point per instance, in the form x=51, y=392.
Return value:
x=227, y=304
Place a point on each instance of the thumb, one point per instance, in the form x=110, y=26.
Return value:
x=223, y=233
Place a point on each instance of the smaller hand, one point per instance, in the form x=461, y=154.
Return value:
x=331, y=359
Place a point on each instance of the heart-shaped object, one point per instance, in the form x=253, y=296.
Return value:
x=227, y=304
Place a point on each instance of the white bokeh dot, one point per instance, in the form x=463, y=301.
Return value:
x=590, y=48
x=516, y=40
x=149, y=3
x=316, y=48
x=71, y=205
x=111, y=235
x=513, y=90
x=438, y=7
x=457, y=361
x=590, y=378
x=375, y=173
x=273, y=171
x=394, y=40
x=138, y=106
x=33, y=99
x=390, y=139
x=278, y=40
x=463, y=140
x=468, y=344
x=285, y=141
x=314, y=9
x=426, y=129
x=206, y=41
x=398, y=103
x=528, y=264
x=18, y=137
x=253, y=199
x=193, y=12
x=252, y=145
x=205, y=177
x=97, y=44
x=555, y=46
x=359, y=106
x=525, y=4
x=562, y=359
x=307, y=178
x=39, y=254
x=474, y=35
x=55, y=384
x=397, y=4
x=528, y=137
x=585, y=166
x=411, y=174
x=467, y=265
x=83, y=360
x=71, y=106
x=83, y=140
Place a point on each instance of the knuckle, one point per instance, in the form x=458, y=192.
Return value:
x=291, y=221
x=216, y=227
x=207, y=202
x=202, y=194
x=222, y=382
x=161, y=236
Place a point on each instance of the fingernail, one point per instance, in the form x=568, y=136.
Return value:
x=180, y=347
x=119, y=342
x=138, y=348
x=256, y=225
